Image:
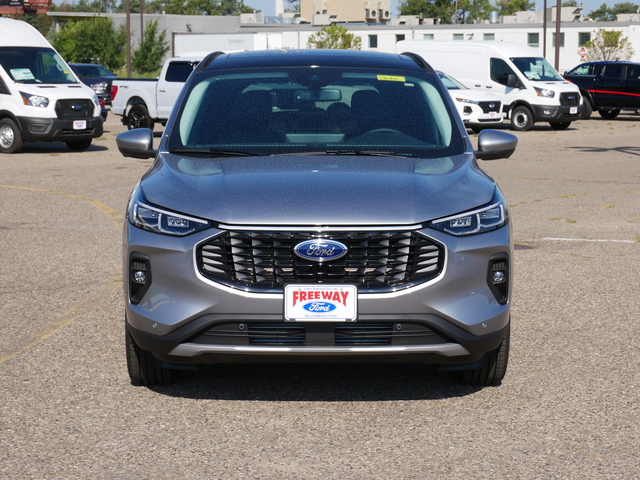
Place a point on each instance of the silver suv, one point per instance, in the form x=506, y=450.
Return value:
x=316, y=206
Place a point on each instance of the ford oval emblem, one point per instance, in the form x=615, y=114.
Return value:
x=320, y=250
x=319, y=307
x=77, y=107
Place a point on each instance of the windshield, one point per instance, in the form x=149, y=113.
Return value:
x=315, y=110
x=35, y=65
x=536, y=69
x=450, y=82
x=93, y=71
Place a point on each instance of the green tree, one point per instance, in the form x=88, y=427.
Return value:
x=471, y=10
x=509, y=7
x=444, y=10
x=334, y=37
x=608, y=45
x=602, y=14
x=198, y=7
x=625, y=7
x=148, y=56
x=91, y=40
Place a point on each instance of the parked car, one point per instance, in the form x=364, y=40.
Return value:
x=316, y=205
x=97, y=77
x=142, y=102
x=607, y=87
x=477, y=109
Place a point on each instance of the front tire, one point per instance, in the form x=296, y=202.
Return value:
x=521, y=119
x=609, y=114
x=142, y=370
x=10, y=137
x=79, y=145
x=494, y=368
x=587, y=109
x=138, y=117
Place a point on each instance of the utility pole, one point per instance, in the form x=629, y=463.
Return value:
x=128, y=9
x=558, y=17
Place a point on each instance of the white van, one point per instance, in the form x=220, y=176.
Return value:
x=530, y=89
x=41, y=99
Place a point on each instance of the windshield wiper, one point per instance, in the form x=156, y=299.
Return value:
x=213, y=151
x=368, y=153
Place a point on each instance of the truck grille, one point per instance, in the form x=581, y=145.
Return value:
x=570, y=99
x=74, y=109
x=490, y=106
x=377, y=261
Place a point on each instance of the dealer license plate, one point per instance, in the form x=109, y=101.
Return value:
x=320, y=303
x=79, y=124
x=573, y=110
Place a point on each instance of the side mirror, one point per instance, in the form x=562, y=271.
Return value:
x=494, y=144
x=136, y=143
x=513, y=82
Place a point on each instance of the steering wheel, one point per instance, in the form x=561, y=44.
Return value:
x=384, y=130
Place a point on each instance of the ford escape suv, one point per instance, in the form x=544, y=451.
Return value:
x=316, y=206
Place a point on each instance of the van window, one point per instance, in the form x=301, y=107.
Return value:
x=536, y=68
x=500, y=71
x=35, y=65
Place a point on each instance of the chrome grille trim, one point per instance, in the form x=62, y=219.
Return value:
x=263, y=261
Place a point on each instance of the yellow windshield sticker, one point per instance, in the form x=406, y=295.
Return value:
x=391, y=78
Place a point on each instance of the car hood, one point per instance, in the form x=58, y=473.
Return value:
x=317, y=190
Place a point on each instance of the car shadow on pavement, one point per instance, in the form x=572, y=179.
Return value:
x=47, y=148
x=317, y=382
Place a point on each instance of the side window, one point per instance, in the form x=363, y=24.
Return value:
x=633, y=72
x=179, y=71
x=582, y=70
x=612, y=71
x=500, y=71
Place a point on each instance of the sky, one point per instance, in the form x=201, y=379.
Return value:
x=268, y=6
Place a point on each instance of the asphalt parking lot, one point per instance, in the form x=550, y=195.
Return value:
x=567, y=409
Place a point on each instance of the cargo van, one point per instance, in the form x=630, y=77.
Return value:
x=41, y=99
x=530, y=89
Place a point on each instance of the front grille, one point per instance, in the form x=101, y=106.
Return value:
x=570, y=99
x=74, y=109
x=377, y=261
x=364, y=334
x=312, y=334
x=489, y=106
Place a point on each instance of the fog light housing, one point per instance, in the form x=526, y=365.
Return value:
x=498, y=277
x=139, y=276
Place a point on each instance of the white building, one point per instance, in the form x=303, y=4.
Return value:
x=257, y=32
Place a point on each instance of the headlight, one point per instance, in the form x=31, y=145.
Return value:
x=96, y=100
x=158, y=220
x=477, y=221
x=543, y=92
x=34, y=100
x=466, y=100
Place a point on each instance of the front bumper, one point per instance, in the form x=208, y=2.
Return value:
x=35, y=129
x=556, y=114
x=183, y=318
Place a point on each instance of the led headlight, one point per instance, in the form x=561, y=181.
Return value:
x=476, y=221
x=466, y=100
x=34, y=100
x=154, y=219
x=544, y=92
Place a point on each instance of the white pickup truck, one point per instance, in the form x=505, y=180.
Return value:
x=142, y=102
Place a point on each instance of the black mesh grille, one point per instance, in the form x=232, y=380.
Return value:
x=364, y=334
x=277, y=334
x=74, y=109
x=489, y=106
x=570, y=99
x=265, y=261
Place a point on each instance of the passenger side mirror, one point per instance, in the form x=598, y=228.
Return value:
x=494, y=144
x=136, y=143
